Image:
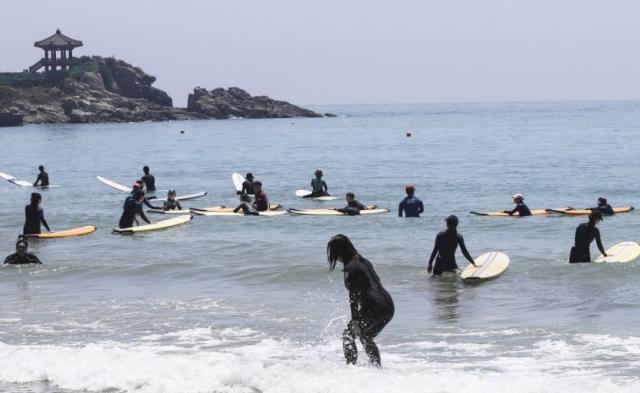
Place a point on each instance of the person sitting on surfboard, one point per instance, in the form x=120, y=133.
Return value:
x=411, y=205
x=247, y=185
x=171, y=203
x=353, y=206
x=371, y=305
x=261, y=201
x=603, y=207
x=445, y=248
x=132, y=208
x=148, y=179
x=21, y=256
x=137, y=186
x=43, y=178
x=246, y=206
x=34, y=215
x=318, y=186
x=585, y=234
x=520, y=208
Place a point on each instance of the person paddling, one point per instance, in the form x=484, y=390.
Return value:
x=445, y=249
x=371, y=305
x=34, y=216
x=353, y=206
x=21, y=256
x=603, y=207
x=585, y=234
x=43, y=178
x=520, y=208
x=411, y=205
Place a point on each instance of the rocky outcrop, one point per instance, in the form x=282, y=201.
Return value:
x=237, y=103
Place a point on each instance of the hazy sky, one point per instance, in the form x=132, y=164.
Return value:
x=352, y=51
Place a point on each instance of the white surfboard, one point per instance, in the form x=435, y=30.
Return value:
x=171, y=222
x=333, y=212
x=174, y=211
x=621, y=252
x=488, y=265
x=114, y=185
x=17, y=182
x=306, y=193
x=225, y=213
x=237, y=179
x=182, y=197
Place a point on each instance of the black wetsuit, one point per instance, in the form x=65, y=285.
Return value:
x=247, y=208
x=353, y=208
x=43, y=178
x=585, y=234
x=445, y=248
x=318, y=188
x=145, y=201
x=247, y=187
x=149, y=182
x=171, y=205
x=131, y=208
x=605, y=210
x=34, y=215
x=261, y=202
x=371, y=307
x=15, y=259
x=521, y=209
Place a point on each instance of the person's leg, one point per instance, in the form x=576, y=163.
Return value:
x=370, y=329
x=349, y=345
x=371, y=349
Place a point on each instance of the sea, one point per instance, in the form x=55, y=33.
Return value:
x=248, y=304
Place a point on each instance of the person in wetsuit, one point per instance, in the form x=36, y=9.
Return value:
x=132, y=208
x=353, y=206
x=171, y=203
x=246, y=206
x=520, y=208
x=148, y=179
x=411, y=205
x=247, y=185
x=34, y=215
x=261, y=201
x=603, y=207
x=138, y=187
x=445, y=248
x=318, y=186
x=21, y=256
x=371, y=305
x=43, y=178
x=585, y=234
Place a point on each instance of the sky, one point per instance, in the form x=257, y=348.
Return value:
x=352, y=51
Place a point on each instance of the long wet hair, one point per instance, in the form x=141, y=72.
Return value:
x=594, y=217
x=35, y=198
x=340, y=247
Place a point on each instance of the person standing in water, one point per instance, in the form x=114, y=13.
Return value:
x=445, y=248
x=520, y=208
x=171, y=203
x=148, y=180
x=34, y=216
x=603, y=207
x=585, y=234
x=318, y=186
x=371, y=305
x=261, y=201
x=21, y=256
x=247, y=185
x=132, y=208
x=411, y=205
x=43, y=178
x=137, y=186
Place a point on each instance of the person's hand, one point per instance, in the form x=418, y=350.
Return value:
x=605, y=254
x=429, y=268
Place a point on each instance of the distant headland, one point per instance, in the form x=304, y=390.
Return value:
x=94, y=89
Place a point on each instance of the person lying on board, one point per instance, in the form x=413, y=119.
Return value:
x=585, y=234
x=131, y=209
x=171, y=203
x=34, y=216
x=445, y=249
x=21, y=256
x=520, y=208
x=318, y=186
x=353, y=206
x=246, y=206
x=603, y=207
x=43, y=178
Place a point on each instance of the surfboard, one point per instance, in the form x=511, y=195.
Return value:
x=333, y=212
x=17, y=182
x=621, y=252
x=182, y=197
x=237, y=179
x=273, y=206
x=80, y=231
x=175, y=211
x=114, y=185
x=489, y=265
x=171, y=222
x=306, y=193
x=537, y=212
x=223, y=213
x=586, y=212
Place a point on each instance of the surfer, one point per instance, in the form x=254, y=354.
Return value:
x=21, y=256
x=318, y=186
x=585, y=233
x=148, y=179
x=411, y=205
x=520, y=208
x=247, y=185
x=132, y=208
x=261, y=201
x=137, y=186
x=171, y=203
x=353, y=206
x=43, y=178
x=603, y=207
x=34, y=215
x=246, y=206
x=371, y=305
x=445, y=248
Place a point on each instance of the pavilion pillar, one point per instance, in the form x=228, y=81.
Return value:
x=46, y=60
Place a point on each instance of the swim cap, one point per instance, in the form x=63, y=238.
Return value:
x=452, y=221
x=410, y=188
x=518, y=196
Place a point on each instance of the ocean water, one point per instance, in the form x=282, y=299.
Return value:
x=247, y=304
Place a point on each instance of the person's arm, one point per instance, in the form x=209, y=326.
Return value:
x=512, y=212
x=420, y=207
x=325, y=189
x=43, y=221
x=7, y=260
x=149, y=205
x=361, y=206
x=463, y=248
x=400, y=208
x=33, y=259
x=38, y=179
x=599, y=242
x=237, y=209
x=142, y=215
x=433, y=255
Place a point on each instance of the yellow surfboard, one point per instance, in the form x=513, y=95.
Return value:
x=586, y=212
x=81, y=231
x=537, y=212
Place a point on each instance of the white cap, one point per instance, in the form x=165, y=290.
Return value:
x=518, y=196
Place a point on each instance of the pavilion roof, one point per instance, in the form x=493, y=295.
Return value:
x=58, y=40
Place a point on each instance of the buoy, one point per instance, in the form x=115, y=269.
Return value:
x=408, y=135
x=182, y=131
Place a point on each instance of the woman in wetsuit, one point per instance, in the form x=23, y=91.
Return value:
x=34, y=215
x=585, y=234
x=445, y=248
x=521, y=209
x=371, y=305
x=132, y=208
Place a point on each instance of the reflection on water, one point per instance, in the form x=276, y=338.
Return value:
x=446, y=291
